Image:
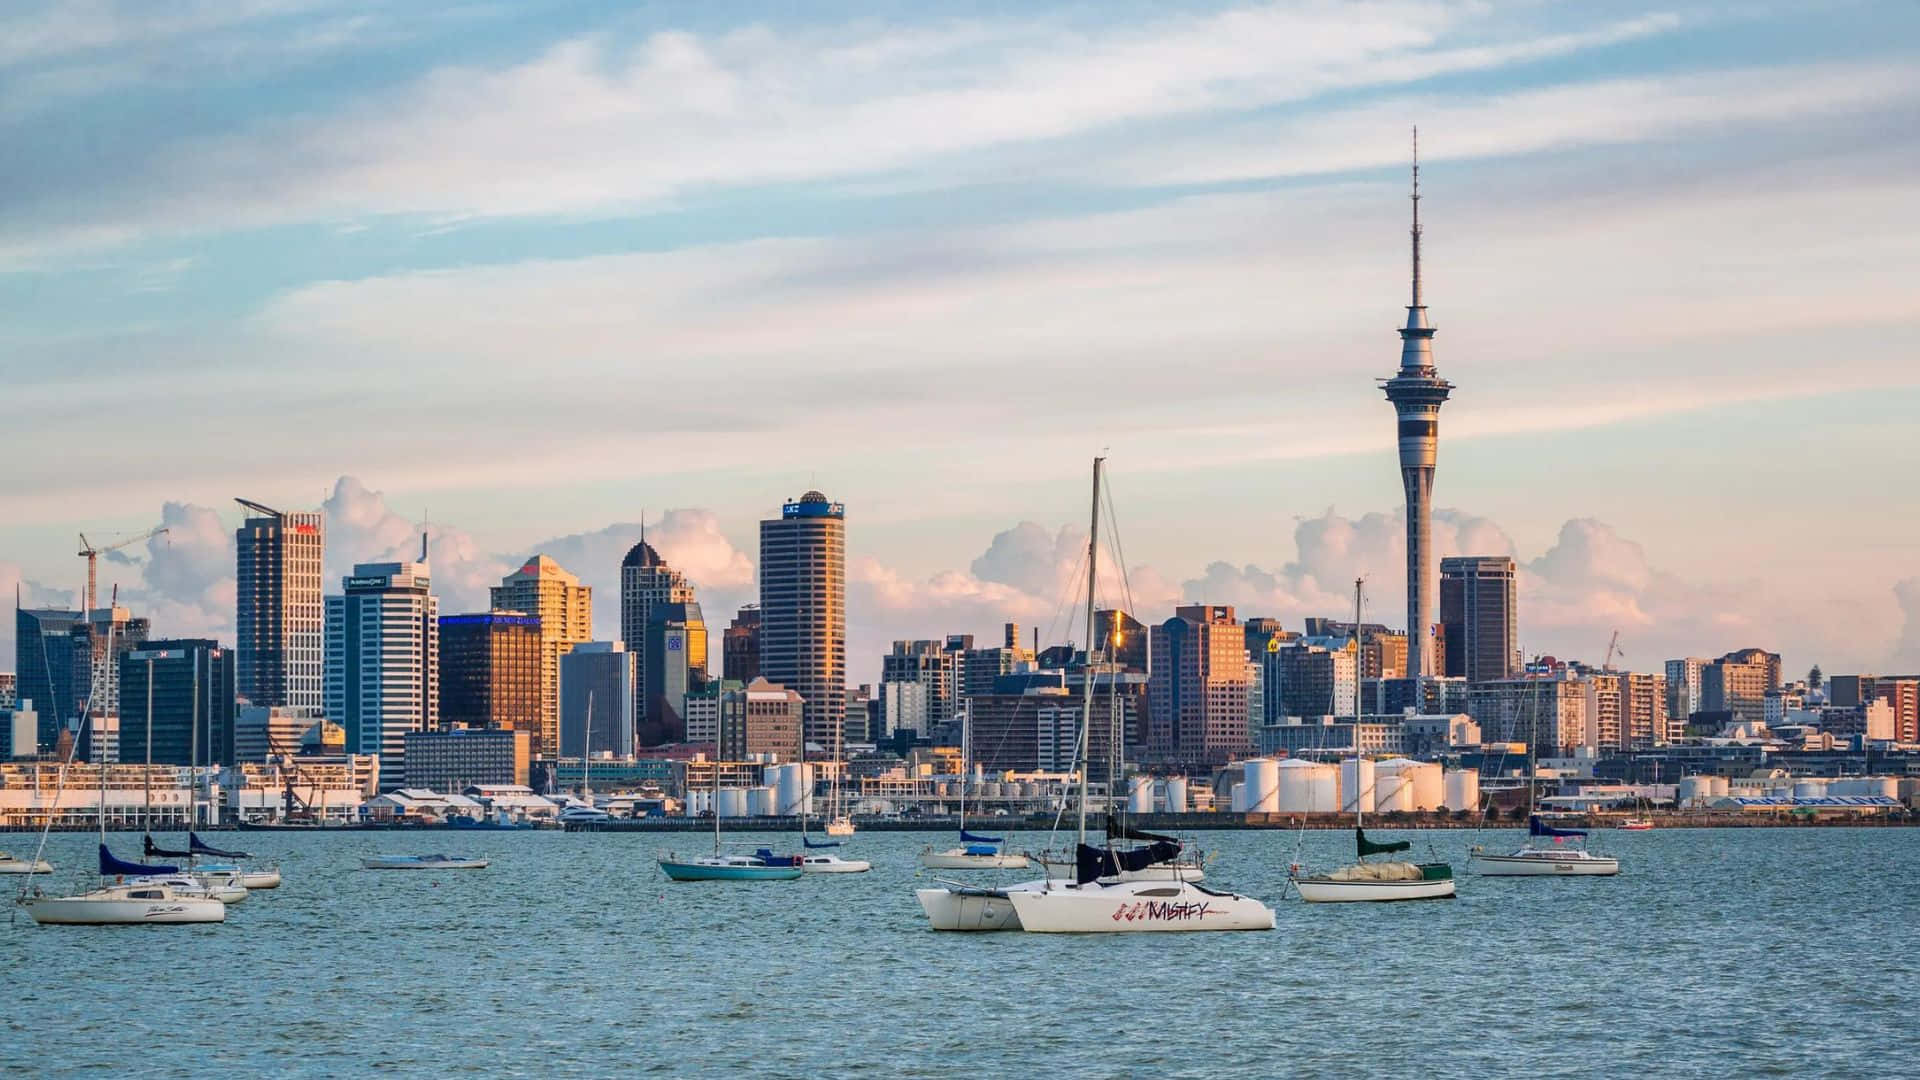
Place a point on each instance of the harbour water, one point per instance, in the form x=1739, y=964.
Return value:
x=1715, y=952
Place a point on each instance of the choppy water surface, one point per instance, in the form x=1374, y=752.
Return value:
x=1742, y=952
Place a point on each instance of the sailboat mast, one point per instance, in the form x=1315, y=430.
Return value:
x=1086, y=682
x=586, y=754
x=1359, y=813
x=146, y=786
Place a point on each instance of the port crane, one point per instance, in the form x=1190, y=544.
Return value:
x=92, y=555
x=1613, y=649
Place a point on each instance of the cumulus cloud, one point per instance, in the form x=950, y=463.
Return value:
x=362, y=528
x=32, y=594
x=1906, y=652
x=689, y=539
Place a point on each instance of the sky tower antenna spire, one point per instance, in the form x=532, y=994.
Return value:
x=1416, y=216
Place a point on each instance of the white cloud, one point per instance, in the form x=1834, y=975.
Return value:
x=688, y=538
x=1905, y=658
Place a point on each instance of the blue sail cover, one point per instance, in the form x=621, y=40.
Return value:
x=1536, y=827
x=110, y=866
x=195, y=845
x=812, y=843
x=968, y=838
x=152, y=850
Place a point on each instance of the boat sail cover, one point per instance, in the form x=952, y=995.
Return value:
x=1536, y=827
x=969, y=838
x=1092, y=863
x=155, y=851
x=1119, y=830
x=110, y=866
x=812, y=843
x=198, y=847
x=1368, y=847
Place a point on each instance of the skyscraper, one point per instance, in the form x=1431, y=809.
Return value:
x=1417, y=391
x=1198, y=689
x=280, y=655
x=565, y=609
x=676, y=664
x=646, y=581
x=803, y=610
x=598, y=676
x=1477, y=611
x=740, y=645
x=490, y=671
x=383, y=661
x=98, y=643
x=43, y=664
x=193, y=702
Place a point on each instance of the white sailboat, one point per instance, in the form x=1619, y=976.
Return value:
x=1098, y=899
x=975, y=852
x=1554, y=858
x=1375, y=881
x=112, y=903
x=12, y=865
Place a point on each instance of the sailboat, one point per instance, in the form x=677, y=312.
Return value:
x=1365, y=881
x=720, y=866
x=975, y=852
x=1099, y=898
x=114, y=903
x=10, y=864
x=222, y=886
x=1552, y=859
x=840, y=824
x=816, y=859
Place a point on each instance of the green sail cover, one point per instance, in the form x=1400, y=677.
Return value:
x=1368, y=847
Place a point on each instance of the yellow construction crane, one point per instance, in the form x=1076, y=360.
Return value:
x=92, y=555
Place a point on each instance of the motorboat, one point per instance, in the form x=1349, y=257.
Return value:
x=723, y=867
x=1093, y=904
x=581, y=813
x=424, y=862
x=1377, y=881
x=123, y=905
x=1635, y=825
x=219, y=887
x=1533, y=859
x=10, y=864
x=833, y=864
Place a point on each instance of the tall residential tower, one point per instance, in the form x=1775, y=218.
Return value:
x=1417, y=391
x=803, y=611
x=278, y=621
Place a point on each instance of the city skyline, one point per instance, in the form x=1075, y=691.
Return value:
x=1642, y=222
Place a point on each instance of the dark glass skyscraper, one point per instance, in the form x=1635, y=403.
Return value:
x=490, y=671
x=1477, y=611
x=193, y=702
x=43, y=663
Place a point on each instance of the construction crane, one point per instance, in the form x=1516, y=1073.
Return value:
x=92, y=555
x=1613, y=649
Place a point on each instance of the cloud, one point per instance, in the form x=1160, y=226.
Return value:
x=362, y=528
x=689, y=539
x=1906, y=651
x=32, y=594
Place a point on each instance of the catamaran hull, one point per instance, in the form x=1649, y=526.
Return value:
x=680, y=871
x=1137, y=907
x=1520, y=866
x=120, y=911
x=950, y=860
x=1326, y=891
x=967, y=909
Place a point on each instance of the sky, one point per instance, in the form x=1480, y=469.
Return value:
x=525, y=275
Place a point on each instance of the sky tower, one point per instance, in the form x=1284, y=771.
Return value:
x=1417, y=391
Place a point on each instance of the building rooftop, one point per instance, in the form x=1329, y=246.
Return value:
x=642, y=554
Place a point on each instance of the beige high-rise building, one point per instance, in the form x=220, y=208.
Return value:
x=565, y=610
x=803, y=611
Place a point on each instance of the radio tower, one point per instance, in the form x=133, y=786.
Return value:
x=1417, y=391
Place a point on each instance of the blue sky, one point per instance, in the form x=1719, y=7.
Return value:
x=532, y=270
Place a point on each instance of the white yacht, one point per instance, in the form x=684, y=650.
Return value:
x=1549, y=860
x=121, y=905
x=218, y=886
x=822, y=863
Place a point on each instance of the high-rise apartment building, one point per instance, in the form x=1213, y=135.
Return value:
x=673, y=665
x=1737, y=684
x=931, y=665
x=43, y=667
x=741, y=645
x=190, y=683
x=1901, y=693
x=1768, y=662
x=1644, y=720
x=279, y=621
x=490, y=671
x=1553, y=713
x=1683, y=688
x=762, y=718
x=1477, y=605
x=1198, y=688
x=565, y=609
x=98, y=643
x=598, y=677
x=9, y=689
x=1310, y=680
x=646, y=581
x=383, y=661
x=803, y=610
x=1123, y=639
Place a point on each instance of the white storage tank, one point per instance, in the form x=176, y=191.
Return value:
x=1356, y=785
x=1262, y=785
x=695, y=802
x=733, y=802
x=1809, y=789
x=1695, y=791
x=1140, y=795
x=761, y=801
x=795, y=790
x=1296, y=785
x=988, y=790
x=1392, y=789
x=1428, y=781
x=1176, y=794
x=1463, y=789
x=1884, y=786
x=1237, y=798
x=1722, y=787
